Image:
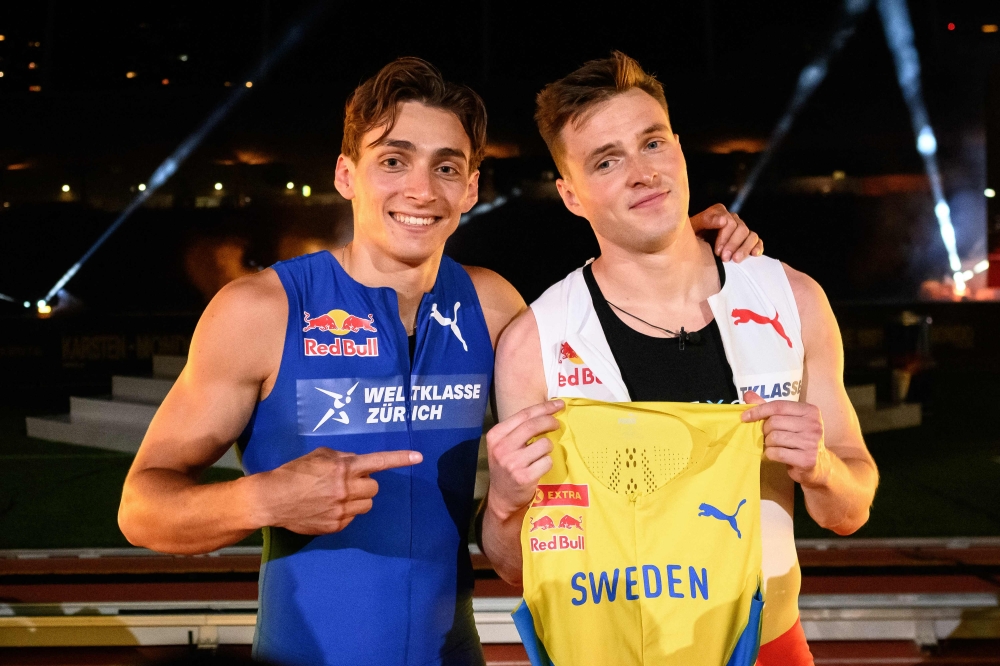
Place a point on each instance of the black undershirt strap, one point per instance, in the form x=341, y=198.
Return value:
x=656, y=369
x=412, y=342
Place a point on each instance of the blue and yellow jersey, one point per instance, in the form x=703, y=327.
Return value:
x=642, y=545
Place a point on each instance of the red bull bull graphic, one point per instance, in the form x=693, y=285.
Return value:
x=339, y=322
x=566, y=353
x=568, y=522
x=543, y=523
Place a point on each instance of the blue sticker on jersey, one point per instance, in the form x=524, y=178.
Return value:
x=351, y=405
x=362, y=405
x=448, y=401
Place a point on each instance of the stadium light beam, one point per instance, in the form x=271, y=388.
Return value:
x=810, y=78
x=899, y=34
x=170, y=165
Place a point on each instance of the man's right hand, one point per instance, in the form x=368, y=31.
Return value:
x=322, y=492
x=515, y=466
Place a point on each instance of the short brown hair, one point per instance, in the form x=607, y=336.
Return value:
x=376, y=102
x=568, y=99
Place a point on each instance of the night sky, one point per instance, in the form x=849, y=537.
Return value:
x=728, y=68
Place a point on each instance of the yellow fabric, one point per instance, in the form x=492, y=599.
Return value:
x=632, y=490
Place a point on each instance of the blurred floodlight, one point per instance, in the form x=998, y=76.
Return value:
x=839, y=175
x=218, y=186
x=289, y=185
x=65, y=188
x=35, y=88
x=129, y=75
x=142, y=187
x=184, y=58
x=926, y=143
x=45, y=309
x=990, y=192
x=165, y=82
x=32, y=65
x=951, y=26
x=249, y=84
x=981, y=266
x=1, y=75
x=307, y=191
x=991, y=27
x=27, y=304
x=40, y=303
x=2, y=38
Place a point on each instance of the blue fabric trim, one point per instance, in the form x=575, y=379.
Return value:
x=745, y=652
x=525, y=624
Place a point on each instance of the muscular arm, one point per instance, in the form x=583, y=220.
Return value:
x=818, y=439
x=841, y=494
x=163, y=507
x=515, y=468
x=229, y=369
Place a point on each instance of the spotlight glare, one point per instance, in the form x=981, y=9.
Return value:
x=165, y=82
x=981, y=266
x=27, y=304
x=142, y=187
x=129, y=75
x=218, y=187
x=65, y=188
x=44, y=308
x=991, y=27
x=289, y=185
x=184, y=58
x=926, y=142
x=307, y=191
x=1, y=75
x=951, y=26
x=249, y=84
x=990, y=192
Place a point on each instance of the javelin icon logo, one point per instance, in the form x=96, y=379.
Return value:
x=339, y=402
x=712, y=512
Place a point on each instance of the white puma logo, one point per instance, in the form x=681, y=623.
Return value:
x=453, y=322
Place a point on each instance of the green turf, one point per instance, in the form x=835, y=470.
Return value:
x=941, y=479
x=56, y=495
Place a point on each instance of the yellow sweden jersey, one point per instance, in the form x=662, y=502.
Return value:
x=642, y=545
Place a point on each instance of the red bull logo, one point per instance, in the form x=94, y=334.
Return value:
x=566, y=353
x=559, y=541
x=339, y=322
x=741, y=316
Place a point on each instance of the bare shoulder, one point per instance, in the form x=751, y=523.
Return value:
x=520, y=375
x=820, y=332
x=498, y=298
x=809, y=295
x=243, y=328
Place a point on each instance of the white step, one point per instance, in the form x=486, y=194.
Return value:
x=896, y=417
x=136, y=414
x=862, y=396
x=168, y=367
x=109, y=435
x=150, y=390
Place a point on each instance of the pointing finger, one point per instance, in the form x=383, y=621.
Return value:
x=367, y=463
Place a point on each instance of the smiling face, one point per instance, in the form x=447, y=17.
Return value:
x=624, y=172
x=409, y=190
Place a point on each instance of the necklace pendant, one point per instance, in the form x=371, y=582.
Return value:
x=680, y=338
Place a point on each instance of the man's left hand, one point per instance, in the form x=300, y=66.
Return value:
x=793, y=435
x=735, y=240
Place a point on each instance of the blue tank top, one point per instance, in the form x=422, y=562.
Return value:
x=395, y=586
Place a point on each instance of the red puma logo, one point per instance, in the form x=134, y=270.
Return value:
x=747, y=316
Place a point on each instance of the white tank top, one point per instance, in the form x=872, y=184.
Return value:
x=761, y=332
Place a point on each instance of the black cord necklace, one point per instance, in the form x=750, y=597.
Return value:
x=683, y=337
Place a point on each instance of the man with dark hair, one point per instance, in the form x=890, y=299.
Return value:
x=349, y=374
x=657, y=318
